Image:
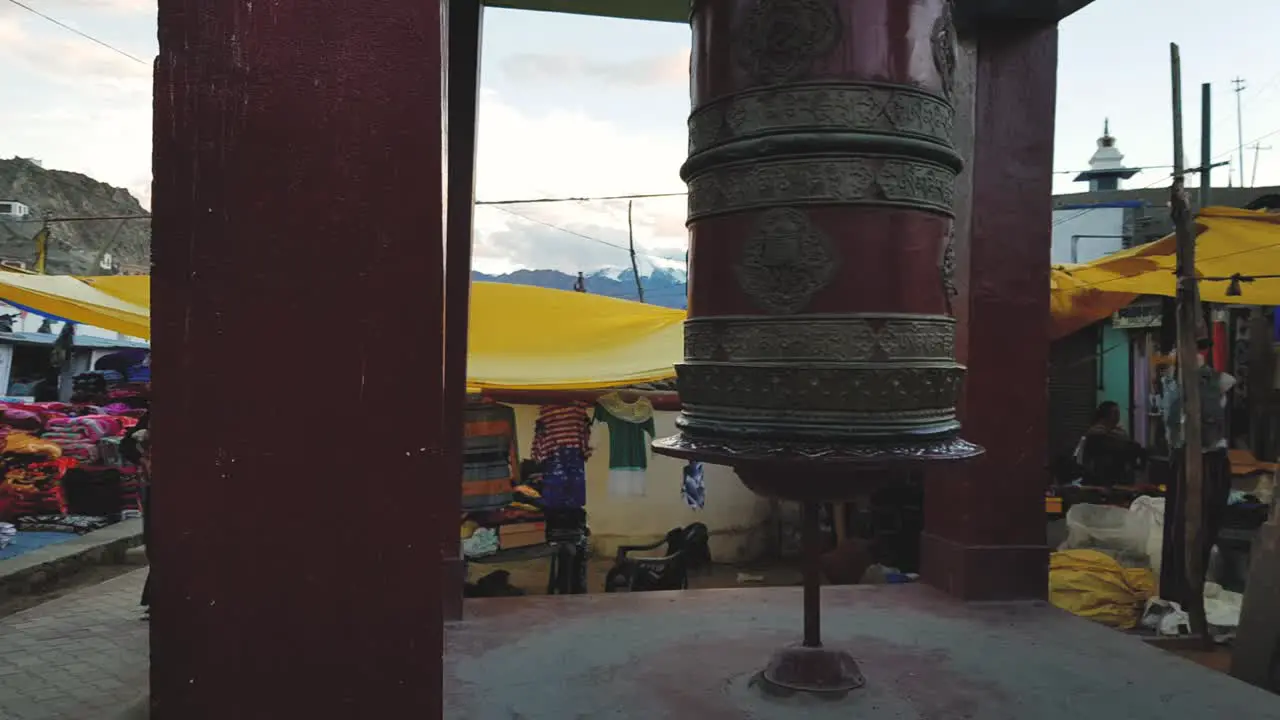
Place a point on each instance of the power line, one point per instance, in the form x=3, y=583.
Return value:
x=81, y=33
x=536, y=201
x=553, y=226
x=650, y=196
x=87, y=218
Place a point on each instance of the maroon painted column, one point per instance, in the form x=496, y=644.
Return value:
x=984, y=536
x=297, y=319
x=464, y=24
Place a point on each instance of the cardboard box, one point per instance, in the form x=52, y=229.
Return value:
x=518, y=535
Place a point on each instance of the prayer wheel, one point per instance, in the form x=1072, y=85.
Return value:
x=821, y=176
x=820, y=342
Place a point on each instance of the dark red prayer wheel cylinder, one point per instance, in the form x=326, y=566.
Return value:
x=821, y=177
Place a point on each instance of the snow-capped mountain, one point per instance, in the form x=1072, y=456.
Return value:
x=662, y=286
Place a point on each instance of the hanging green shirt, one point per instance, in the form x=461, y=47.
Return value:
x=629, y=434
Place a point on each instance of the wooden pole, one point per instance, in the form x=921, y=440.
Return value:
x=631, y=241
x=1188, y=311
x=1206, y=159
x=465, y=22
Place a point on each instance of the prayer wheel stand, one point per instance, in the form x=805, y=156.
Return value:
x=820, y=343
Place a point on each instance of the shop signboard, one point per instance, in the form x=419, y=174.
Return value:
x=1141, y=314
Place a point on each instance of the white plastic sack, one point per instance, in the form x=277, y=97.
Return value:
x=1147, y=518
x=1222, y=607
x=1106, y=527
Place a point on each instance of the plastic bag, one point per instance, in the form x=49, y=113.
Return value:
x=1093, y=585
x=1104, y=526
x=1147, y=518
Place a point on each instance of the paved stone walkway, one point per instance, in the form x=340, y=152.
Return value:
x=82, y=656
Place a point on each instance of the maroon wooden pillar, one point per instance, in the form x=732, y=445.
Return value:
x=297, y=320
x=984, y=533
x=465, y=20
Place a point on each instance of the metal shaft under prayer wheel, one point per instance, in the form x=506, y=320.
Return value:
x=820, y=339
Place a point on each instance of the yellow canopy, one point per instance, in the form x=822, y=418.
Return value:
x=77, y=300
x=135, y=289
x=529, y=338
x=1229, y=241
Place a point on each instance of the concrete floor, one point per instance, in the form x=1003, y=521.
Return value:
x=531, y=575
x=691, y=655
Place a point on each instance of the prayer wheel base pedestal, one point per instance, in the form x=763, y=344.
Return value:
x=820, y=672
x=804, y=471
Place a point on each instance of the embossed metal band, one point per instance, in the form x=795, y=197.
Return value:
x=848, y=180
x=846, y=388
x=856, y=337
x=739, y=422
x=822, y=107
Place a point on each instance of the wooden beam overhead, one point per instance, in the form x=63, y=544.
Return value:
x=658, y=10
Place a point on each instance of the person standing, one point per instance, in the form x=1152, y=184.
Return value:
x=1215, y=479
x=136, y=449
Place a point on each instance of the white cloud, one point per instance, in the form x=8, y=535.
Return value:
x=84, y=107
x=94, y=116
x=564, y=153
x=570, y=154
x=670, y=69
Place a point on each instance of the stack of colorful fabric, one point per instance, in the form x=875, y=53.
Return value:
x=79, y=436
x=32, y=482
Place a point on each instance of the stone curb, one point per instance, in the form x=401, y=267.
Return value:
x=33, y=571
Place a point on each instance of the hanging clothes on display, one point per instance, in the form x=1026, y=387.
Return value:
x=490, y=456
x=630, y=430
x=692, y=487
x=562, y=445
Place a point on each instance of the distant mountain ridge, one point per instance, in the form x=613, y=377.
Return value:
x=661, y=287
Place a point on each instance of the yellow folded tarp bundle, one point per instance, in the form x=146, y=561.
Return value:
x=1093, y=585
x=1228, y=242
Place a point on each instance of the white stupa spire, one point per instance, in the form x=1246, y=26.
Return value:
x=1106, y=167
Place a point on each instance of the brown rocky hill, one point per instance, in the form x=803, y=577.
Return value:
x=79, y=239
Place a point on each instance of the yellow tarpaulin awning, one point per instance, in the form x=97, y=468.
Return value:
x=1229, y=242
x=135, y=289
x=79, y=301
x=530, y=338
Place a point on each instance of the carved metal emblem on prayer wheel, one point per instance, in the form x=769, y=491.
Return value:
x=821, y=176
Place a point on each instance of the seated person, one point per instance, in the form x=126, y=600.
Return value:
x=1106, y=452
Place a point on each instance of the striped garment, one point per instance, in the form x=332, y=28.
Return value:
x=559, y=427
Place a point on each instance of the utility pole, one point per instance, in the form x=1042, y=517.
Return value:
x=1239, y=89
x=1191, y=478
x=1253, y=180
x=1206, y=160
x=631, y=241
x=42, y=243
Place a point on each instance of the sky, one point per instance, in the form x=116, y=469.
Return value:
x=577, y=106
